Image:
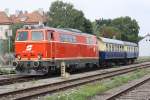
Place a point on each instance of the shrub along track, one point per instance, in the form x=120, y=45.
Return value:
x=34, y=91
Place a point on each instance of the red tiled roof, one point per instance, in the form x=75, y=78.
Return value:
x=4, y=19
x=29, y=18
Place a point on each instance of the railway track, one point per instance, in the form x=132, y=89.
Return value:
x=11, y=79
x=60, y=84
x=136, y=90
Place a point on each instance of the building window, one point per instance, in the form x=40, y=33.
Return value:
x=1, y=29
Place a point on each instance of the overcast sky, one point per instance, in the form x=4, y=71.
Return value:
x=93, y=9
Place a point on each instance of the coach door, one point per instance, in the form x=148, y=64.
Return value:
x=51, y=45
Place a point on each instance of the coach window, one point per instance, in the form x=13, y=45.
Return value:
x=118, y=48
x=110, y=49
x=22, y=36
x=107, y=49
x=114, y=47
x=134, y=49
x=37, y=35
x=130, y=49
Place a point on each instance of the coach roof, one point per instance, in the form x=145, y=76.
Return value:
x=130, y=43
x=113, y=41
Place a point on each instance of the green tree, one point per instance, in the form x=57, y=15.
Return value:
x=14, y=28
x=98, y=25
x=64, y=15
x=88, y=26
x=129, y=28
x=126, y=29
x=110, y=32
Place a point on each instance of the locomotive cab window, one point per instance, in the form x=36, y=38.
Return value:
x=37, y=35
x=22, y=36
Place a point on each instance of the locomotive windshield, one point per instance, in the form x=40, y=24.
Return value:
x=37, y=35
x=22, y=36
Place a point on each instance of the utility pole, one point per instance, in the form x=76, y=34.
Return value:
x=9, y=34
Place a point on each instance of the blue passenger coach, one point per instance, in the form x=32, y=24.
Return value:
x=116, y=51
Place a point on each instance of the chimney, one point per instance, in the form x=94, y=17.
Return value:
x=40, y=10
x=26, y=12
x=18, y=12
x=7, y=12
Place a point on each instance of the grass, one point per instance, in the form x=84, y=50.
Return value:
x=143, y=59
x=89, y=90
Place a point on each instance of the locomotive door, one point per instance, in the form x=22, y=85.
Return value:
x=51, y=44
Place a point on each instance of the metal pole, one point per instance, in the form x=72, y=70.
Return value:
x=9, y=52
x=63, y=69
x=9, y=32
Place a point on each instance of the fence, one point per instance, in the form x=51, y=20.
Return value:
x=3, y=46
x=3, y=50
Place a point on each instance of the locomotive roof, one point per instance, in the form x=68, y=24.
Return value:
x=65, y=30
x=107, y=40
x=73, y=31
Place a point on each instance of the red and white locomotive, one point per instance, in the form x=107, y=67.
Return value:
x=39, y=49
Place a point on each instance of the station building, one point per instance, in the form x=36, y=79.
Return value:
x=144, y=46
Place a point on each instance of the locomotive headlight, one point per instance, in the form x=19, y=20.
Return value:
x=39, y=56
x=19, y=57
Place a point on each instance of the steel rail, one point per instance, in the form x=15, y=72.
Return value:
x=128, y=88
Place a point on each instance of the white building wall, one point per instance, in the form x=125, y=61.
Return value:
x=144, y=46
x=3, y=29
